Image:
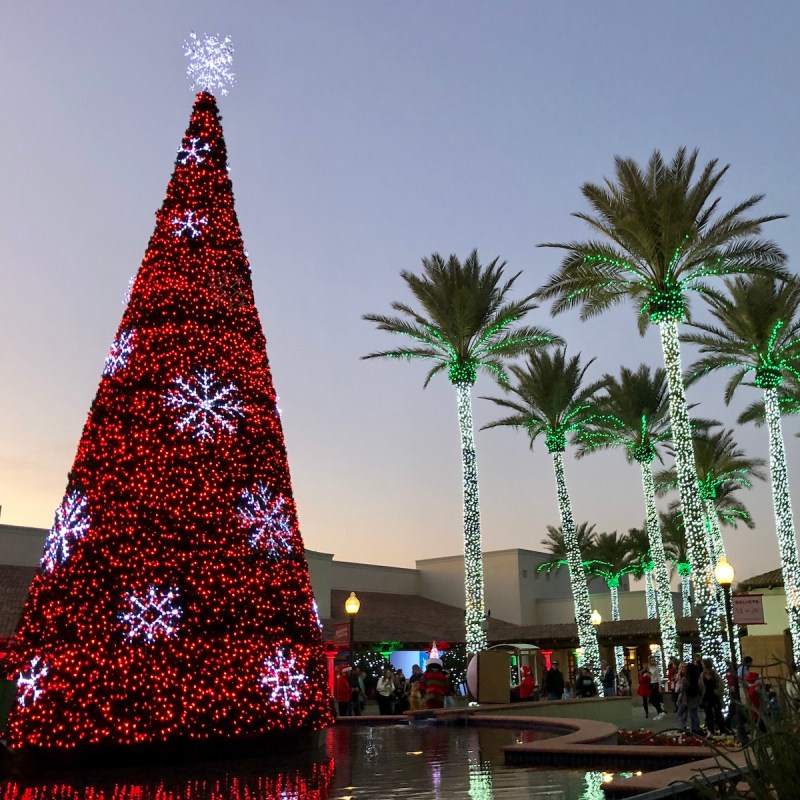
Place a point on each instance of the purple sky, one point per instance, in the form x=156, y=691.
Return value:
x=362, y=137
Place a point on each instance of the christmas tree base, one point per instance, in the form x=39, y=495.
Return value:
x=29, y=761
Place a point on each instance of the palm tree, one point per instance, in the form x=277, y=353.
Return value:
x=612, y=557
x=635, y=416
x=722, y=469
x=659, y=236
x=677, y=552
x=639, y=540
x=467, y=323
x=548, y=399
x=555, y=546
x=758, y=333
x=788, y=404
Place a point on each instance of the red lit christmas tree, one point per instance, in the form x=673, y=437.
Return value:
x=173, y=600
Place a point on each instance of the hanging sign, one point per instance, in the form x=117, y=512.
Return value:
x=748, y=609
x=341, y=634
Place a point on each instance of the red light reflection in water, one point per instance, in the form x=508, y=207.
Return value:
x=306, y=783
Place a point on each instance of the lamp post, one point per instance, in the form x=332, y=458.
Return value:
x=351, y=606
x=724, y=575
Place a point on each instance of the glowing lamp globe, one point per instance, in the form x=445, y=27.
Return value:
x=352, y=604
x=723, y=572
x=596, y=619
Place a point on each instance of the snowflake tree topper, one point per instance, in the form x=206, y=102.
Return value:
x=210, y=61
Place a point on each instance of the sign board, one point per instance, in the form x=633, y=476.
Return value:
x=341, y=634
x=748, y=609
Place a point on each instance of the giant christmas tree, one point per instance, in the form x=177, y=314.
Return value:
x=173, y=600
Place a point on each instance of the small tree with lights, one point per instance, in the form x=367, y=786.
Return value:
x=173, y=603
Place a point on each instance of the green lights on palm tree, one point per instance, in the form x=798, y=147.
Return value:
x=467, y=324
x=635, y=417
x=659, y=235
x=547, y=398
x=757, y=335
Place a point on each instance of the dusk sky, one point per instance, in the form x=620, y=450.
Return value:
x=364, y=136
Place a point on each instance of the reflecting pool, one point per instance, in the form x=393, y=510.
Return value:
x=354, y=763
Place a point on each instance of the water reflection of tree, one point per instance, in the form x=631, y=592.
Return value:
x=229, y=781
x=593, y=781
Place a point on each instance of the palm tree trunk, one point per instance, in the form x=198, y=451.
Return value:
x=784, y=521
x=650, y=595
x=587, y=635
x=619, y=653
x=666, y=611
x=717, y=551
x=475, y=614
x=716, y=541
x=711, y=635
x=685, y=570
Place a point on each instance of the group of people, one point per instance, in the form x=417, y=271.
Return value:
x=394, y=692
x=694, y=685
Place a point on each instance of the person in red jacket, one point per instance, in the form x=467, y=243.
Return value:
x=343, y=690
x=526, y=686
x=645, y=688
x=434, y=684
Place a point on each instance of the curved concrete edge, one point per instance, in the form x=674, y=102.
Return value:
x=680, y=778
x=576, y=732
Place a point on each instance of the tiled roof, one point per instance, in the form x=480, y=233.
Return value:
x=767, y=580
x=410, y=618
x=406, y=618
x=14, y=583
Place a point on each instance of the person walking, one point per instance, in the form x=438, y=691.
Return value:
x=553, y=682
x=689, y=692
x=711, y=701
x=384, y=692
x=654, y=668
x=584, y=683
x=343, y=690
x=609, y=680
x=644, y=690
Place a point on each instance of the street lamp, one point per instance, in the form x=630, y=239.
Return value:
x=351, y=606
x=595, y=619
x=724, y=574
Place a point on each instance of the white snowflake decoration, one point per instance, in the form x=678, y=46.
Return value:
x=151, y=616
x=206, y=406
x=210, y=61
x=72, y=523
x=28, y=688
x=283, y=679
x=265, y=516
x=121, y=349
x=189, y=224
x=192, y=152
